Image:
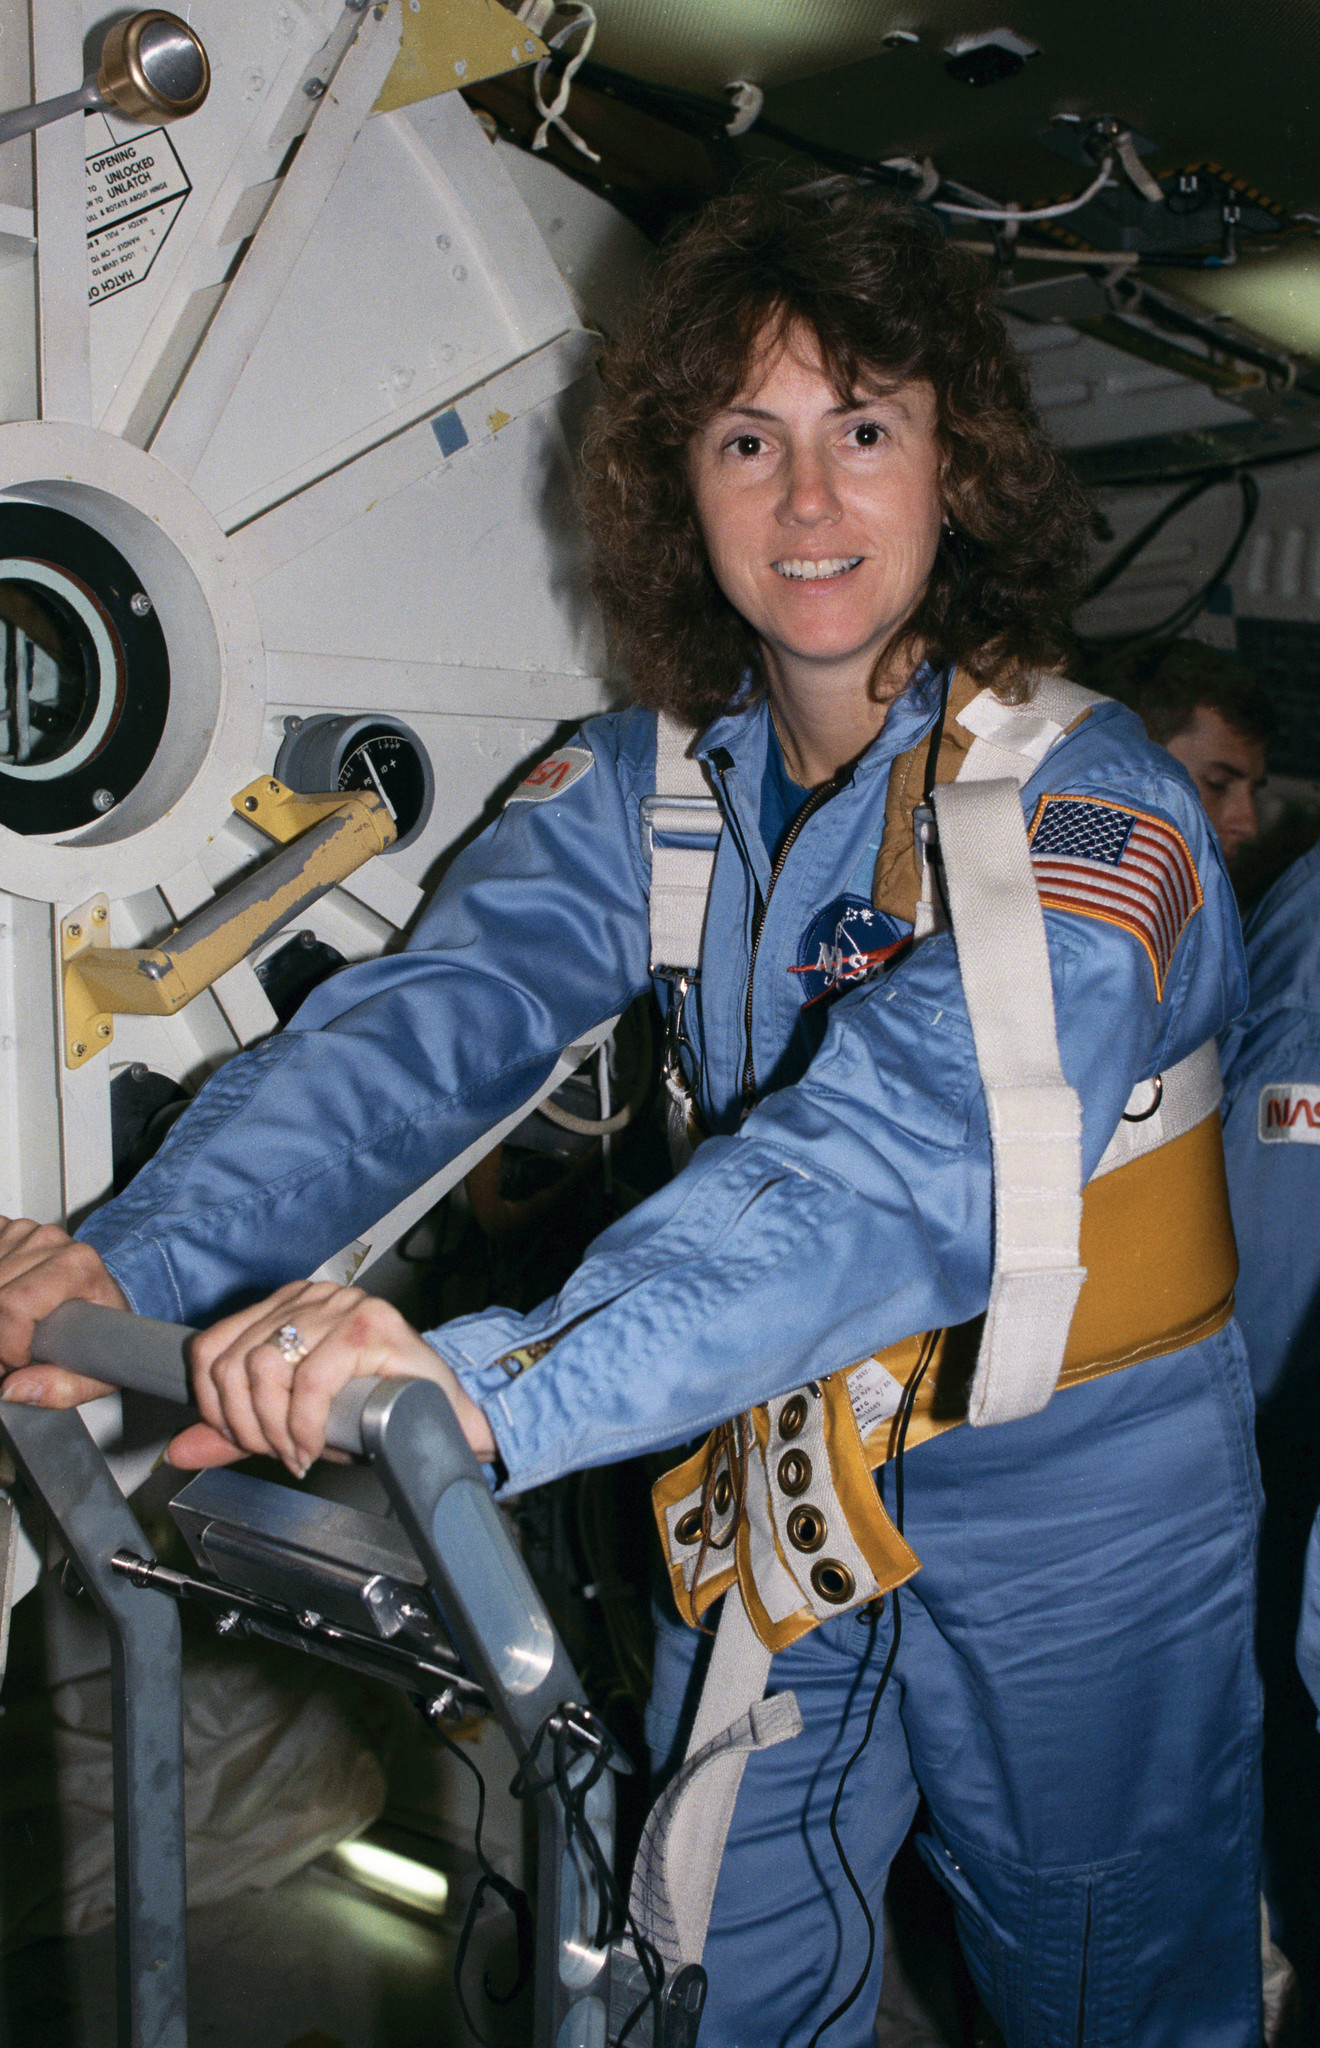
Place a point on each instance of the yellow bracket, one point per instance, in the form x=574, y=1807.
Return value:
x=280, y=812
x=322, y=840
x=446, y=44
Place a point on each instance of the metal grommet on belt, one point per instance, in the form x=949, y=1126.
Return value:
x=687, y=1529
x=722, y=1494
x=794, y=1473
x=807, y=1528
x=833, y=1581
x=792, y=1416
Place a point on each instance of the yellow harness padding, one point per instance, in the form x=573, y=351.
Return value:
x=1161, y=1263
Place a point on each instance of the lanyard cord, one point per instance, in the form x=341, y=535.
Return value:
x=958, y=549
x=905, y=1417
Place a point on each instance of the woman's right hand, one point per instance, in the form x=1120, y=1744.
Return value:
x=40, y=1267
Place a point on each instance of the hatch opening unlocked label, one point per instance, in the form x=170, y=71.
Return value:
x=135, y=193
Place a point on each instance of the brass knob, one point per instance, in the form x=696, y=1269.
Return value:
x=153, y=67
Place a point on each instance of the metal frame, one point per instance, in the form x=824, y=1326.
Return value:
x=492, y=1610
x=61, y=1464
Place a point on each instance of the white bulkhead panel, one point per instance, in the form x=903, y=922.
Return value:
x=312, y=371
x=421, y=278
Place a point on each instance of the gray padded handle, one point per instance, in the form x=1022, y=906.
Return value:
x=136, y=1351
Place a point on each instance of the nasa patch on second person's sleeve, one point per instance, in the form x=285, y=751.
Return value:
x=551, y=777
x=1289, y=1114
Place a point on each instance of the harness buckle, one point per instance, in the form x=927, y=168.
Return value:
x=656, y=804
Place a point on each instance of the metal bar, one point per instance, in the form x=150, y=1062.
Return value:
x=64, y=1468
x=109, y=1344
x=238, y=1612
x=26, y=120
x=240, y=320
x=101, y=982
x=61, y=220
x=500, y=1625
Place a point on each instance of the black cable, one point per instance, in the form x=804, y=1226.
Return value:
x=958, y=548
x=490, y=1880
x=1168, y=628
x=936, y=738
x=574, y=1731
x=904, y=1418
x=1118, y=562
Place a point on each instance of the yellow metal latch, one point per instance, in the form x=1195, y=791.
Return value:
x=322, y=840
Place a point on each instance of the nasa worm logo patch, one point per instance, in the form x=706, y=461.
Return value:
x=1289, y=1113
x=842, y=944
x=554, y=775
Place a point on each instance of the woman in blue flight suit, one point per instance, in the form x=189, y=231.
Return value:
x=824, y=519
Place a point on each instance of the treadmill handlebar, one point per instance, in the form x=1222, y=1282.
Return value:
x=133, y=1351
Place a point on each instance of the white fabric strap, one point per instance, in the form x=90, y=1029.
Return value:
x=680, y=875
x=1035, y=1117
x=1165, y=1107
x=1013, y=739
x=682, y=1845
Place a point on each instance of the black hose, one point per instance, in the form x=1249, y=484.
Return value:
x=1170, y=627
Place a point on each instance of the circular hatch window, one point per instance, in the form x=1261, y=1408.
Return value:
x=84, y=673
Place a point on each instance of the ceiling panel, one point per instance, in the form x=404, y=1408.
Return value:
x=1232, y=82
x=703, y=44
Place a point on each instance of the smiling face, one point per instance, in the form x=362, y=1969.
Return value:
x=821, y=518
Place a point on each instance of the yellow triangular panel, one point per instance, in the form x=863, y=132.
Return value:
x=448, y=43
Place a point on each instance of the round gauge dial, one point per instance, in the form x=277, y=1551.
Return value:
x=379, y=756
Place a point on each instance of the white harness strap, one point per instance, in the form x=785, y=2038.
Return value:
x=1013, y=739
x=1035, y=1117
x=1165, y=1108
x=680, y=875
x=682, y=1845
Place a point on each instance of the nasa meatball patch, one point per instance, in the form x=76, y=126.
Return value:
x=554, y=775
x=1124, y=867
x=843, y=944
x=1289, y=1113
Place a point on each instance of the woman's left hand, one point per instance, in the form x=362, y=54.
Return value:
x=260, y=1396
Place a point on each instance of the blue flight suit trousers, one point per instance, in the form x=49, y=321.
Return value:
x=1075, y=1696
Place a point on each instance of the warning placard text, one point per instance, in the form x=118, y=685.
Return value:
x=135, y=193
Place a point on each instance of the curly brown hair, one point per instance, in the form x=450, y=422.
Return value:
x=886, y=296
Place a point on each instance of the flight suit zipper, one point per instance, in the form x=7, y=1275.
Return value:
x=813, y=803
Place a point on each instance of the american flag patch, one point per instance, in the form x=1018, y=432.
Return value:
x=1124, y=866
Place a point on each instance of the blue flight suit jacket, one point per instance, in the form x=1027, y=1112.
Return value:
x=1271, y=1060
x=850, y=1209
